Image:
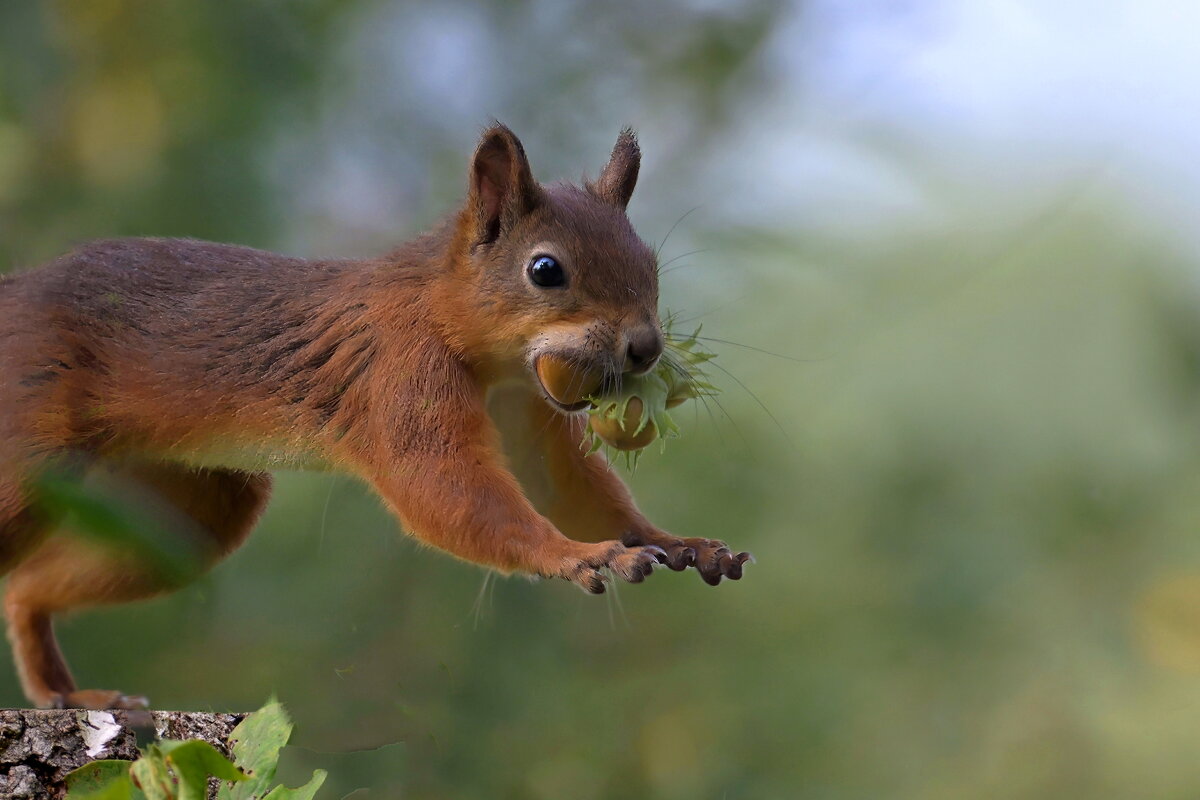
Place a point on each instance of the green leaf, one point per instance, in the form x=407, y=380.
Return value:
x=256, y=743
x=107, y=779
x=150, y=772
x=193, y=761
x=200, y=752
x=305, y=792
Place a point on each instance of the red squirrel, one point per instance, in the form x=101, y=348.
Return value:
x=191, y=369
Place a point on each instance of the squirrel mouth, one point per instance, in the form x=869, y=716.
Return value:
x=567, y=384
x=570, y=409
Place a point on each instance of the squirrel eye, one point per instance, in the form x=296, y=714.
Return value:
x=544, y=271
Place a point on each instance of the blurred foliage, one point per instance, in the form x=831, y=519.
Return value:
x=126, y=522
x=970, y=474
x=123, y=117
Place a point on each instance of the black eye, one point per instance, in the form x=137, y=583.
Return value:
x=544, y=271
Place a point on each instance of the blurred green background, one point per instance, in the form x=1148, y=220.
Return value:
x=970, y=474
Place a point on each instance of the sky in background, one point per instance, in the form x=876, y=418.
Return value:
x=862, y=103
x=1005, y=91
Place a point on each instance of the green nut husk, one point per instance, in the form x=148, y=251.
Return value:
x=637, y=414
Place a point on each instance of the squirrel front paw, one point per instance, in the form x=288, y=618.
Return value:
x=712, y=558
x=632, y=564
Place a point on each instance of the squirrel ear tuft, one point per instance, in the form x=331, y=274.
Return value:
x=502, y=185
x=619, y=176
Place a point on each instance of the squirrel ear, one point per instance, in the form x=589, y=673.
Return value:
x=502, y=185
x=619, y=176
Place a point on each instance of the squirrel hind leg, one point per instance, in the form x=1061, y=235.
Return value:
x=23, y=528
x=41, y=667
x=67, y=572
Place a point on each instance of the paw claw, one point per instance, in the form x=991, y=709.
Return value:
x=683, y=559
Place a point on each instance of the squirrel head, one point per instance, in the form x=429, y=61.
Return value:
x=554, y=277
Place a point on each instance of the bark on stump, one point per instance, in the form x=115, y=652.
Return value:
x=39, y=747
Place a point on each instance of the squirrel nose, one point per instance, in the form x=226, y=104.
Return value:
x=644, y=347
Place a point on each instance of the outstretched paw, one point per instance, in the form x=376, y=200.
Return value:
x=632, y=564
x=100, y=700
x=712, y=558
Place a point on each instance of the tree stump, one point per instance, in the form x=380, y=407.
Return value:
x=39, y=747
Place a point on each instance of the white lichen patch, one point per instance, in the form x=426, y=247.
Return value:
x=98, y=730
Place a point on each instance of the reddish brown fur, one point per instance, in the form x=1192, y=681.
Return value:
x=189, y=369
